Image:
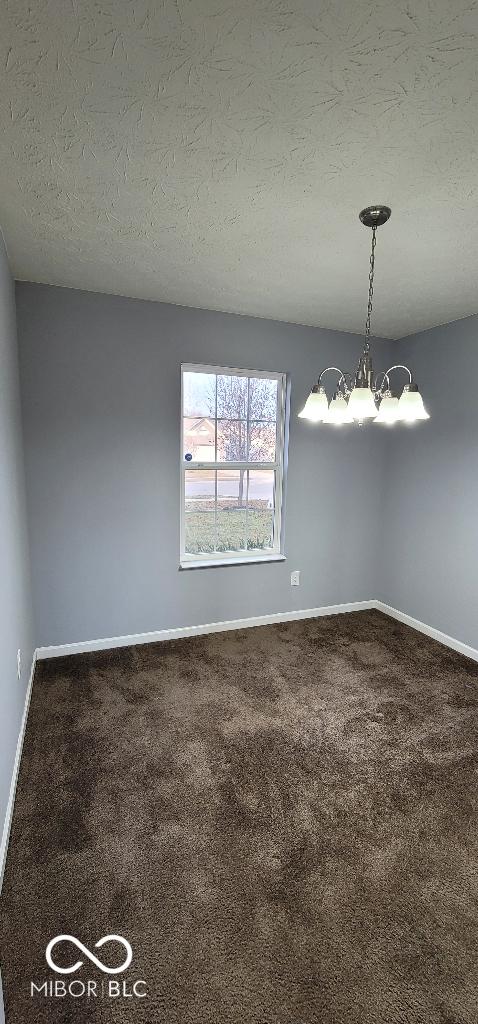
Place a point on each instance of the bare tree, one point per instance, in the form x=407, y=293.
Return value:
x=246, y=411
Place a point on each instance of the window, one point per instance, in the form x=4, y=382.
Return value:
x=232, y=456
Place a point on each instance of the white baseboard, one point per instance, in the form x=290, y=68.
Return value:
x=210, y=627
x=131, y=640
x=16, y=767
x=422, y=627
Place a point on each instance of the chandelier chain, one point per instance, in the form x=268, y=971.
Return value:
x=370, y=290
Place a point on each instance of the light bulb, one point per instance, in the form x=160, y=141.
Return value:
x=410, y=406
x=338, y=411
x=388, y=412
x=316, y=407
x=362, y=404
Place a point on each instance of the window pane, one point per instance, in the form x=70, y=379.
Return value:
x=232, y=440
x=199, y=438
x=200, y=489
x=231, y=529
x=262, y=441
x=231, y=488
x=231, y=509
x=262, y=399
x=231, y=397
x=199, y=394
x=261, y=487
x=200, y=511
x=200, y=532
x=260, y=516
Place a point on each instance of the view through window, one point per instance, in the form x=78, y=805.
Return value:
x=232, y=463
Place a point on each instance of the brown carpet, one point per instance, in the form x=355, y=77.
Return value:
x=281, y=821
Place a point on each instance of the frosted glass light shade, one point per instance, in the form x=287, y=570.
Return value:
x=338, y=412
x=362, y=404
x=388, y=412
x=411, y=407
x=315, y=408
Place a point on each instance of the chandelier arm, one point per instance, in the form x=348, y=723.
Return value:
x=343, y=376
x=400, y=366
x=348, y=382
x=384, y=375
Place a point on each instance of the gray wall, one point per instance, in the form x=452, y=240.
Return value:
x=100, y=378
x=430, y=510
x=15, y=608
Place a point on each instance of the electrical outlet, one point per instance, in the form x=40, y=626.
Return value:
x=295, y=578
x=19, y=664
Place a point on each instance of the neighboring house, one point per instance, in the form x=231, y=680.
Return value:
x=199, y=439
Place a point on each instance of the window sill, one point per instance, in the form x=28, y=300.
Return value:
x=203, y=563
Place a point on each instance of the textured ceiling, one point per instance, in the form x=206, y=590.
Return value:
x=216, y=153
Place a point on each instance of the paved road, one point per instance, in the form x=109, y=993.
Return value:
x=260, y=485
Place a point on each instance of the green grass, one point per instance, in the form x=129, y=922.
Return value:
x=231, y=528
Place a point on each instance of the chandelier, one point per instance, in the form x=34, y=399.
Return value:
x=363, y=396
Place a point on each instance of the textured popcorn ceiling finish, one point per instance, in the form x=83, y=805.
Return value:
x=216, y=153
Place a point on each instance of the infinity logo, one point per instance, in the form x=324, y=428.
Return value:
x=79, y=945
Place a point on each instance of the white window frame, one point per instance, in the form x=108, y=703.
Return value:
x=275, y=553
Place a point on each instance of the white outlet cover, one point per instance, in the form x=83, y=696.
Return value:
x=19, y=664
x=295, y=578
